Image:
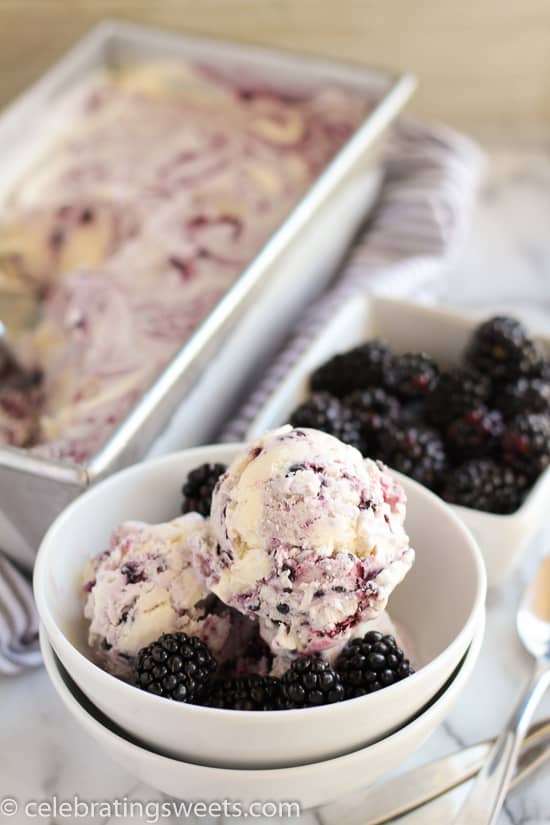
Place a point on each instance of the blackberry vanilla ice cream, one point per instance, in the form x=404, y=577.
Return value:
x=282, y=583
x=307, y=536
x=142, y=586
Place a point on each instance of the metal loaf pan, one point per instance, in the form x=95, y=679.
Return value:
x=214, y=367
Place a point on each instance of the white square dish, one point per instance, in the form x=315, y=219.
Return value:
x=443, y=333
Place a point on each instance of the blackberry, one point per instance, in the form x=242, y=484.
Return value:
x=417, y=451
x=308, y=682
x=457, y=390
x=524, y=395
x=176, y=666
x=476, y=434
x=485, y=484
x=413, y=412
x=361, y=367
x=413, y=375
x=373, y=409
x=502, y=349
x=371, y=663
x=324, y=412
x=197, y=490
x=245, y=693
x=526, y=444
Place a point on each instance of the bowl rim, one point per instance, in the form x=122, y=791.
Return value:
x=229, y=451
x=121, y=740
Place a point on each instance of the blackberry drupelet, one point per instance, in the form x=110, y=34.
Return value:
x=373, y=409
x=413, y=375
x=457, y=390
x=322, y=411
x=197, y=490
x=371, y=663
x=176, y=666
x=364, y=366
x=475, y=434
x=412, y=412
x=417, y=451
x=502, y=349
x=309, y=682
x=526, y=444
x=485, y=484
x=245, y=693
x=524, y=395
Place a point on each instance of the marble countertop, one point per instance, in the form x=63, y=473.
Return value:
x=506, y=266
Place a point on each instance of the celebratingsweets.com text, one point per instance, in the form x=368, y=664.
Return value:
x=150, y=812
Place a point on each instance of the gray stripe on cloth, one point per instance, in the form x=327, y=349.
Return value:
x=19, y=648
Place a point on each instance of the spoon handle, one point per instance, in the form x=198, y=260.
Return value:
x=489, y=790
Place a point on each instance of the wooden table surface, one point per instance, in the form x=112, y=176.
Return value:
x=478, y=62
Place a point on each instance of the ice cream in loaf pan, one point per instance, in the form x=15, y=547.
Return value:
x=164, y=184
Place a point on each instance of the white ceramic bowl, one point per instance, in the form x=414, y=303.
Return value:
x=407, y=326
x=439, y=604
x=310, y=785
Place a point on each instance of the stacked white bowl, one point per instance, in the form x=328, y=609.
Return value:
x=313, y=755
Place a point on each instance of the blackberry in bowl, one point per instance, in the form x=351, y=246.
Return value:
x=502, y=349
x=485, y=484
x=413, y=375
x=457, y=390
x=371, y=663
x=177, y=666
x=245, y=693
x=417, y=451
x=523, y=395
x=476, y=433
x=322, y=411
x=365, y=366
x=526, y=444
x=374, y=410
x=198, y=488
x=310, y=682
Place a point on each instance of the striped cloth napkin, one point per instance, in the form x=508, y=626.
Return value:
x=431, y=177
x=18, y=622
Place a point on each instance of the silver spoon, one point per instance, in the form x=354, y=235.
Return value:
x=533, y=624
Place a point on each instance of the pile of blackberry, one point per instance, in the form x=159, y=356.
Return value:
x=477, y=433
x=181, y=668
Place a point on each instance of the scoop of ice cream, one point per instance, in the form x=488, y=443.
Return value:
x=143, y=586
x=306, y=535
